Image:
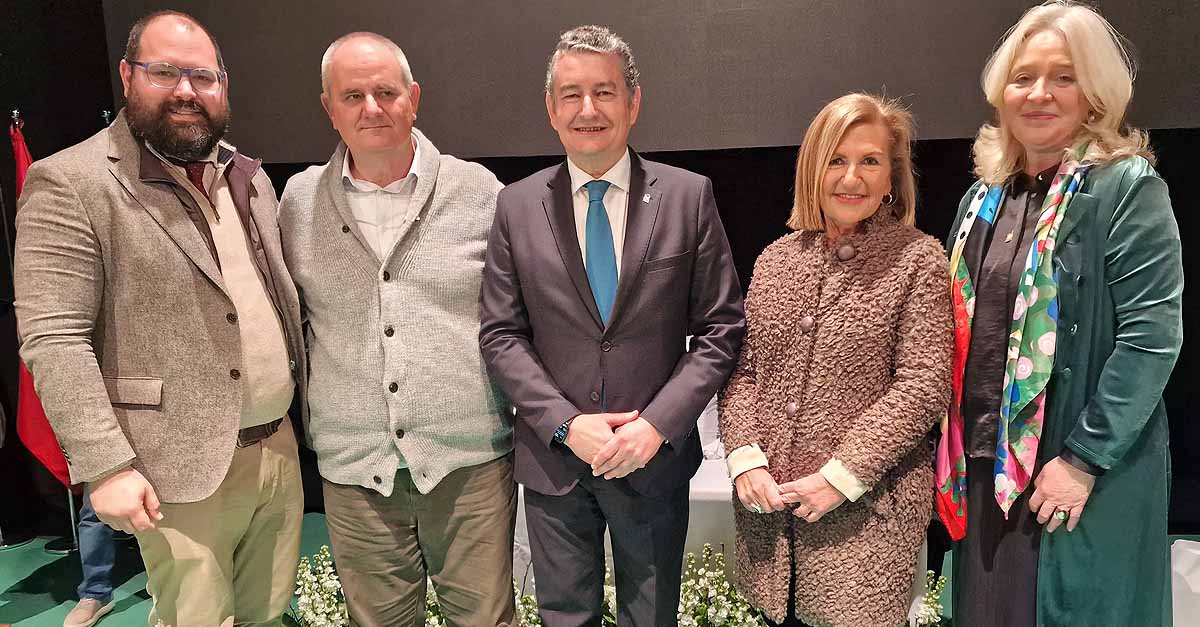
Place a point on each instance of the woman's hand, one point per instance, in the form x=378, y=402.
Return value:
x=813, y=495
x=1060, y=488
x=758, y=491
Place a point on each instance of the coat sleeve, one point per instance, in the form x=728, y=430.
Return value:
x=1143, y=267
x=920, y=390
x=506, y=338
x=738, y=408
x=717, y=323
x=59, y=287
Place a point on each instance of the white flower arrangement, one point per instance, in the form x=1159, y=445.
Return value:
x=319, y=600
x=930, y=610
x=706, y=598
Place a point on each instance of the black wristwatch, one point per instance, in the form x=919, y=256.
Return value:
x=560, y=434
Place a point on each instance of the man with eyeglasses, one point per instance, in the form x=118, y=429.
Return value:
x=163, y=332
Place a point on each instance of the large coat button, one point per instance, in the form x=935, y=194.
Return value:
x=791, y=408
x=595, y=396
x=807, y=323
x=846, y=252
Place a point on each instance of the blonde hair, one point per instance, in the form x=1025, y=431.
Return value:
x=822, y=139
x=1104, y=71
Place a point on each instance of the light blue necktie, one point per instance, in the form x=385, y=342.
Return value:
x=601, y=262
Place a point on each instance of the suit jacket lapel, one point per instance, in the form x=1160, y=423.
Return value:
x=151, y=186
x=561, y=213
x=641, y=214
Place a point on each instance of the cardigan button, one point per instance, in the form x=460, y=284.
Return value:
x=791, y=408
x=345, y=228
x=846, y=252
x=807, y=323
x=595, y=396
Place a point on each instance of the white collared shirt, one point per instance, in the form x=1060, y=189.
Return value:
x=382, y=212
x=615, y=203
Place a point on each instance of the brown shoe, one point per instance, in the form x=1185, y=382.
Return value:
x=87, y=612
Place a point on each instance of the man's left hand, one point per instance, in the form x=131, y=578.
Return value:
x=632, y=446
x=1060, y=487
x=813, y=495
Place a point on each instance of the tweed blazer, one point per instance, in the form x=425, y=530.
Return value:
x=847, y=356
x=125, y=321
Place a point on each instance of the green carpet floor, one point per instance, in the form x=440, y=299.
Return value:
x=37, y=589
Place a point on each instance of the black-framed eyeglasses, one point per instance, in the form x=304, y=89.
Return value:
x=166, y=76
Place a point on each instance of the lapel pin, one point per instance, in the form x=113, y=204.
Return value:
x=646, y=198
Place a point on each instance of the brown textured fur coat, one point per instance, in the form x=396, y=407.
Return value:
x=868, y=381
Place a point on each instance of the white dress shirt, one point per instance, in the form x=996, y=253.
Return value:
x=615, y=203
x=382, y=212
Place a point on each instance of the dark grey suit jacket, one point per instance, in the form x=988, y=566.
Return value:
x=543, y=341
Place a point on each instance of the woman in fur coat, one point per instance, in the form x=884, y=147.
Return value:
x=844, y=372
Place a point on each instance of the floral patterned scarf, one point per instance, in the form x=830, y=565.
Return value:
x=1031, y=344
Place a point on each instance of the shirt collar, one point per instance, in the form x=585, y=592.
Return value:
x=211, y=159
x=618, y=175
x=414, y=171
x=1039, y=184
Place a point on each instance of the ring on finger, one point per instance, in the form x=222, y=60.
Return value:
x=755, y=507
x=1060, y=514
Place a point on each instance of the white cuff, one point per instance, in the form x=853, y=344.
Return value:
x=840, y=477
x=745, y=458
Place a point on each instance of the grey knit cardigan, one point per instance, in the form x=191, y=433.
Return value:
x=427, y=399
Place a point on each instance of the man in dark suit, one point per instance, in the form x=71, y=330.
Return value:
x=593, y=352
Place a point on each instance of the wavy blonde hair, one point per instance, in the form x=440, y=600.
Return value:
x=822, y=139
x=1104, y=70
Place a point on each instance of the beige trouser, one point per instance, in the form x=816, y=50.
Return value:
x=230, y=559
x=460, y=535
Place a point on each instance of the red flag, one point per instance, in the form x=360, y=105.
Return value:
x=32, y=426
x=20, y=154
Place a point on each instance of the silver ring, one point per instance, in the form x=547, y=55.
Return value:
x=755, y=507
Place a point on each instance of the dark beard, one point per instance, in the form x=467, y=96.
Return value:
x=182, y=141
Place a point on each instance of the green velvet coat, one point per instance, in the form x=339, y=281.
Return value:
x=1120, y=328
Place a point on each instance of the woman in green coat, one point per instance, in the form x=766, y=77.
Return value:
x=1066, y=275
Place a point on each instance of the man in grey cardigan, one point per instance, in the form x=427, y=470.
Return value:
x=386, y=244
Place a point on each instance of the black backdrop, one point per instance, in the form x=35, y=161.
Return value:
x=54, y=66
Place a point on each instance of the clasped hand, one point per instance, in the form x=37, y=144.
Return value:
x=812, y=495
x=614, y=445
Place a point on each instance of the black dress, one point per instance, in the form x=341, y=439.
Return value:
x=995, y=565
